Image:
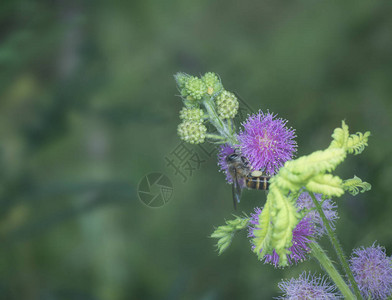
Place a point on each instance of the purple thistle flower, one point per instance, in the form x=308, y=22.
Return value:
x=302, y=235
x=308, y=287
x=266, y=142
x=304, y=201
x=372, y=270
x=224, y=151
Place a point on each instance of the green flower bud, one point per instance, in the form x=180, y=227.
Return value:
x=227, y=105
x=212, y=82
x=191, y=103
x=191, y=114
x=192, y=132
x=181, y=79
x=195, y=88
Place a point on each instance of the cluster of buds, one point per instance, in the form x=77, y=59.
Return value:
x=227, y=104
x=192, y=130
x=205, y=100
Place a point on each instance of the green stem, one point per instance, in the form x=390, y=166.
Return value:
x=336, y=245
x=214, y=136
x=326, y=263
x=230, y=125
x=223, y=129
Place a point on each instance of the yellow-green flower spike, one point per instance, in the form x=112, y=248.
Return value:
x=326, y=184
x=262, y=239
x=194, y=88
x=353, y=185
x=191, y=114
x=227, y=105
x=354, y=143
x=279, y=216
x=192, y=132
x=212, y=82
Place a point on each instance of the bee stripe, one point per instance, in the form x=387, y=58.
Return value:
x=257, y=183
x=249, y=183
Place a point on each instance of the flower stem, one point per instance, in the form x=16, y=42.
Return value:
x=214, y=136
x=223, y=128
x=326, y=263
x=230, y=124
x=337, y=247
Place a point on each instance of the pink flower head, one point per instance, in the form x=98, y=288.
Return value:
x=224, y=151
x=305, y=202
x=302, y=236
x=372, y=270
x=266, y=142
x=308, y=286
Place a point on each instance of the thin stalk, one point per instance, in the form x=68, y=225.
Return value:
x=336, y=245
x=230, y=125
x=214, y=136
x=218, y=123
x=319, y=254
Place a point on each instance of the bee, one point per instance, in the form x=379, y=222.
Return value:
x=243, y=176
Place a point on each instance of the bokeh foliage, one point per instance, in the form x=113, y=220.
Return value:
x=87, y=108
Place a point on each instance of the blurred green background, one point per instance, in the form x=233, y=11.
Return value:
x=88, y=107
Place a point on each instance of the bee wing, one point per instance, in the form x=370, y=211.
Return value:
x=236, y=189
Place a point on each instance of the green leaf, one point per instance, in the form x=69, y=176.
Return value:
x=225, y=233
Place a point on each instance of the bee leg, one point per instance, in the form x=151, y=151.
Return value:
x=238, y=191
x=234, y=197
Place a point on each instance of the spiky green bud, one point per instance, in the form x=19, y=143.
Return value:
x=227, y=105
x=192, y=132
x=181, y=79
x=194, y=88
x=191, y=114
x=191, y=103
x=212, y=82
